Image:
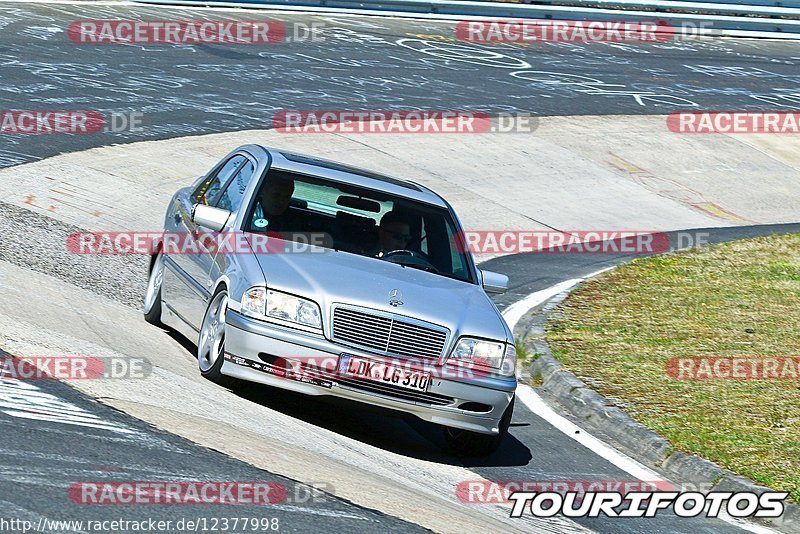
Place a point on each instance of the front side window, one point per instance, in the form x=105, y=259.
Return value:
x=231, y=198
x=208, y=191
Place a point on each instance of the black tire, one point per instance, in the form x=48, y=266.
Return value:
x=211, y=370
x=152, y=310
x=469, y=443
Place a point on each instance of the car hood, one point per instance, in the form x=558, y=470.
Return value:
x=332, y=277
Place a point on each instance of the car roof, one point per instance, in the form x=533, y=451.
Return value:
x=340, y=172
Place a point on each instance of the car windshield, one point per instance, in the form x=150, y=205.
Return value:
x=359, y=221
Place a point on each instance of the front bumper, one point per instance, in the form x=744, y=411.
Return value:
x=476, y=404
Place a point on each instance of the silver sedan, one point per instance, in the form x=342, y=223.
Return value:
x=325, y=279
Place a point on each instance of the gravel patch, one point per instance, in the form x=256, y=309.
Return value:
x=37, y=242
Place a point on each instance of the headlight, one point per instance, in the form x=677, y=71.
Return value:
x=294, y=309
x=498, y=356
x=262, y=303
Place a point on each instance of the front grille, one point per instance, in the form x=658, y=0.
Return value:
x=387, y=334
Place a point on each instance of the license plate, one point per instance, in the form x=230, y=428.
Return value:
x=376, y=371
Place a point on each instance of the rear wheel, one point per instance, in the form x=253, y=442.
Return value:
x=152, y=298
x=211, y=343
x=469, y=443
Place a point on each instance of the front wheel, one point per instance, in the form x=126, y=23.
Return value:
x=211, y=343
x=469, y=443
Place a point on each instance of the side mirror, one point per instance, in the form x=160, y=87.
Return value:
x=209, y=217
x=494, y=283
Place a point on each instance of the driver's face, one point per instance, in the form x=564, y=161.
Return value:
x=276, y=197
x=395, y=236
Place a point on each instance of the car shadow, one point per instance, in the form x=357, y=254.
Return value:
x=189, y=346
x=379, y=427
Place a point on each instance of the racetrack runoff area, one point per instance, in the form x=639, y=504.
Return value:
x=570, y=174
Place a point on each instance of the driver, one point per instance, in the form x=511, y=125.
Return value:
x=273, y=202
x=394, y=233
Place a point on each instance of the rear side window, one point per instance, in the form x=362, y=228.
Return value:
x=231, y=199
x=209, y=190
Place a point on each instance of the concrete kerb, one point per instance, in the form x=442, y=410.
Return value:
x=597, y=414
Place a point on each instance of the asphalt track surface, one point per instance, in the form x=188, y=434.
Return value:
x=362, y=64
x=358, y=63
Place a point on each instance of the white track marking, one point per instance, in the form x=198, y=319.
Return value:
x=514, y=312
x=536, y=404
x=26, y=401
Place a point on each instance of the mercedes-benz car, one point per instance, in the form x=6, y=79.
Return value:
x=325, y=279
